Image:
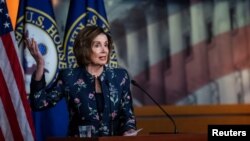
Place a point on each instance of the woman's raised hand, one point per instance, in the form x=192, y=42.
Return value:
x=32, y=46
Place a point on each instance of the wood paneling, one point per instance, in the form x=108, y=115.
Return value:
x=190, y=119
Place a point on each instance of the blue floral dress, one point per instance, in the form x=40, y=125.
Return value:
x=77, y=86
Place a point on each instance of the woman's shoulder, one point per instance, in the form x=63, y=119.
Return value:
x=117, y=69
x=69, y=71
x=118, y=72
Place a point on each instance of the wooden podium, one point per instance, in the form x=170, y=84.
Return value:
x=159, y=137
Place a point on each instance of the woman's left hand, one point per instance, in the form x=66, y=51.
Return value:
x=131, y=132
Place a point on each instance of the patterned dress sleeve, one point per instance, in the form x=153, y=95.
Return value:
x=127, y=110
x=42, y=98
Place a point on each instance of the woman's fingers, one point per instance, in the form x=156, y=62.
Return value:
x=32, y=46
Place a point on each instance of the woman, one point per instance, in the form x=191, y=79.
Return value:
x=96, y=94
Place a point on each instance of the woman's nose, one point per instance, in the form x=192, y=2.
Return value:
x=104, y=48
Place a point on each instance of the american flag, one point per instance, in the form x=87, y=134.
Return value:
x=15, y=115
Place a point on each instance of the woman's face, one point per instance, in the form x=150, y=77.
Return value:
x=100, y=50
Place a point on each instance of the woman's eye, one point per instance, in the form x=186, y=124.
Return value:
x=96, y=45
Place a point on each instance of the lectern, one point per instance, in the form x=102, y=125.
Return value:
x=161, y=137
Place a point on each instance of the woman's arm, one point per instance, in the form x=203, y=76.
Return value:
x=32, y=46
x=39, y=97
x=127, y=106
x=43, y=98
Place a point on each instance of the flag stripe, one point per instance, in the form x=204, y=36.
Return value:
x=16, y=67
x=16, y=122
x=1, y=134
x=14, y=83
x=9, y=109
x=4, y=122
x=4, y=128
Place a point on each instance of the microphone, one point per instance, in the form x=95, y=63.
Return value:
x=166, y=114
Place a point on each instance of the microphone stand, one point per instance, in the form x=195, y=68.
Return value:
x=170, y=117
